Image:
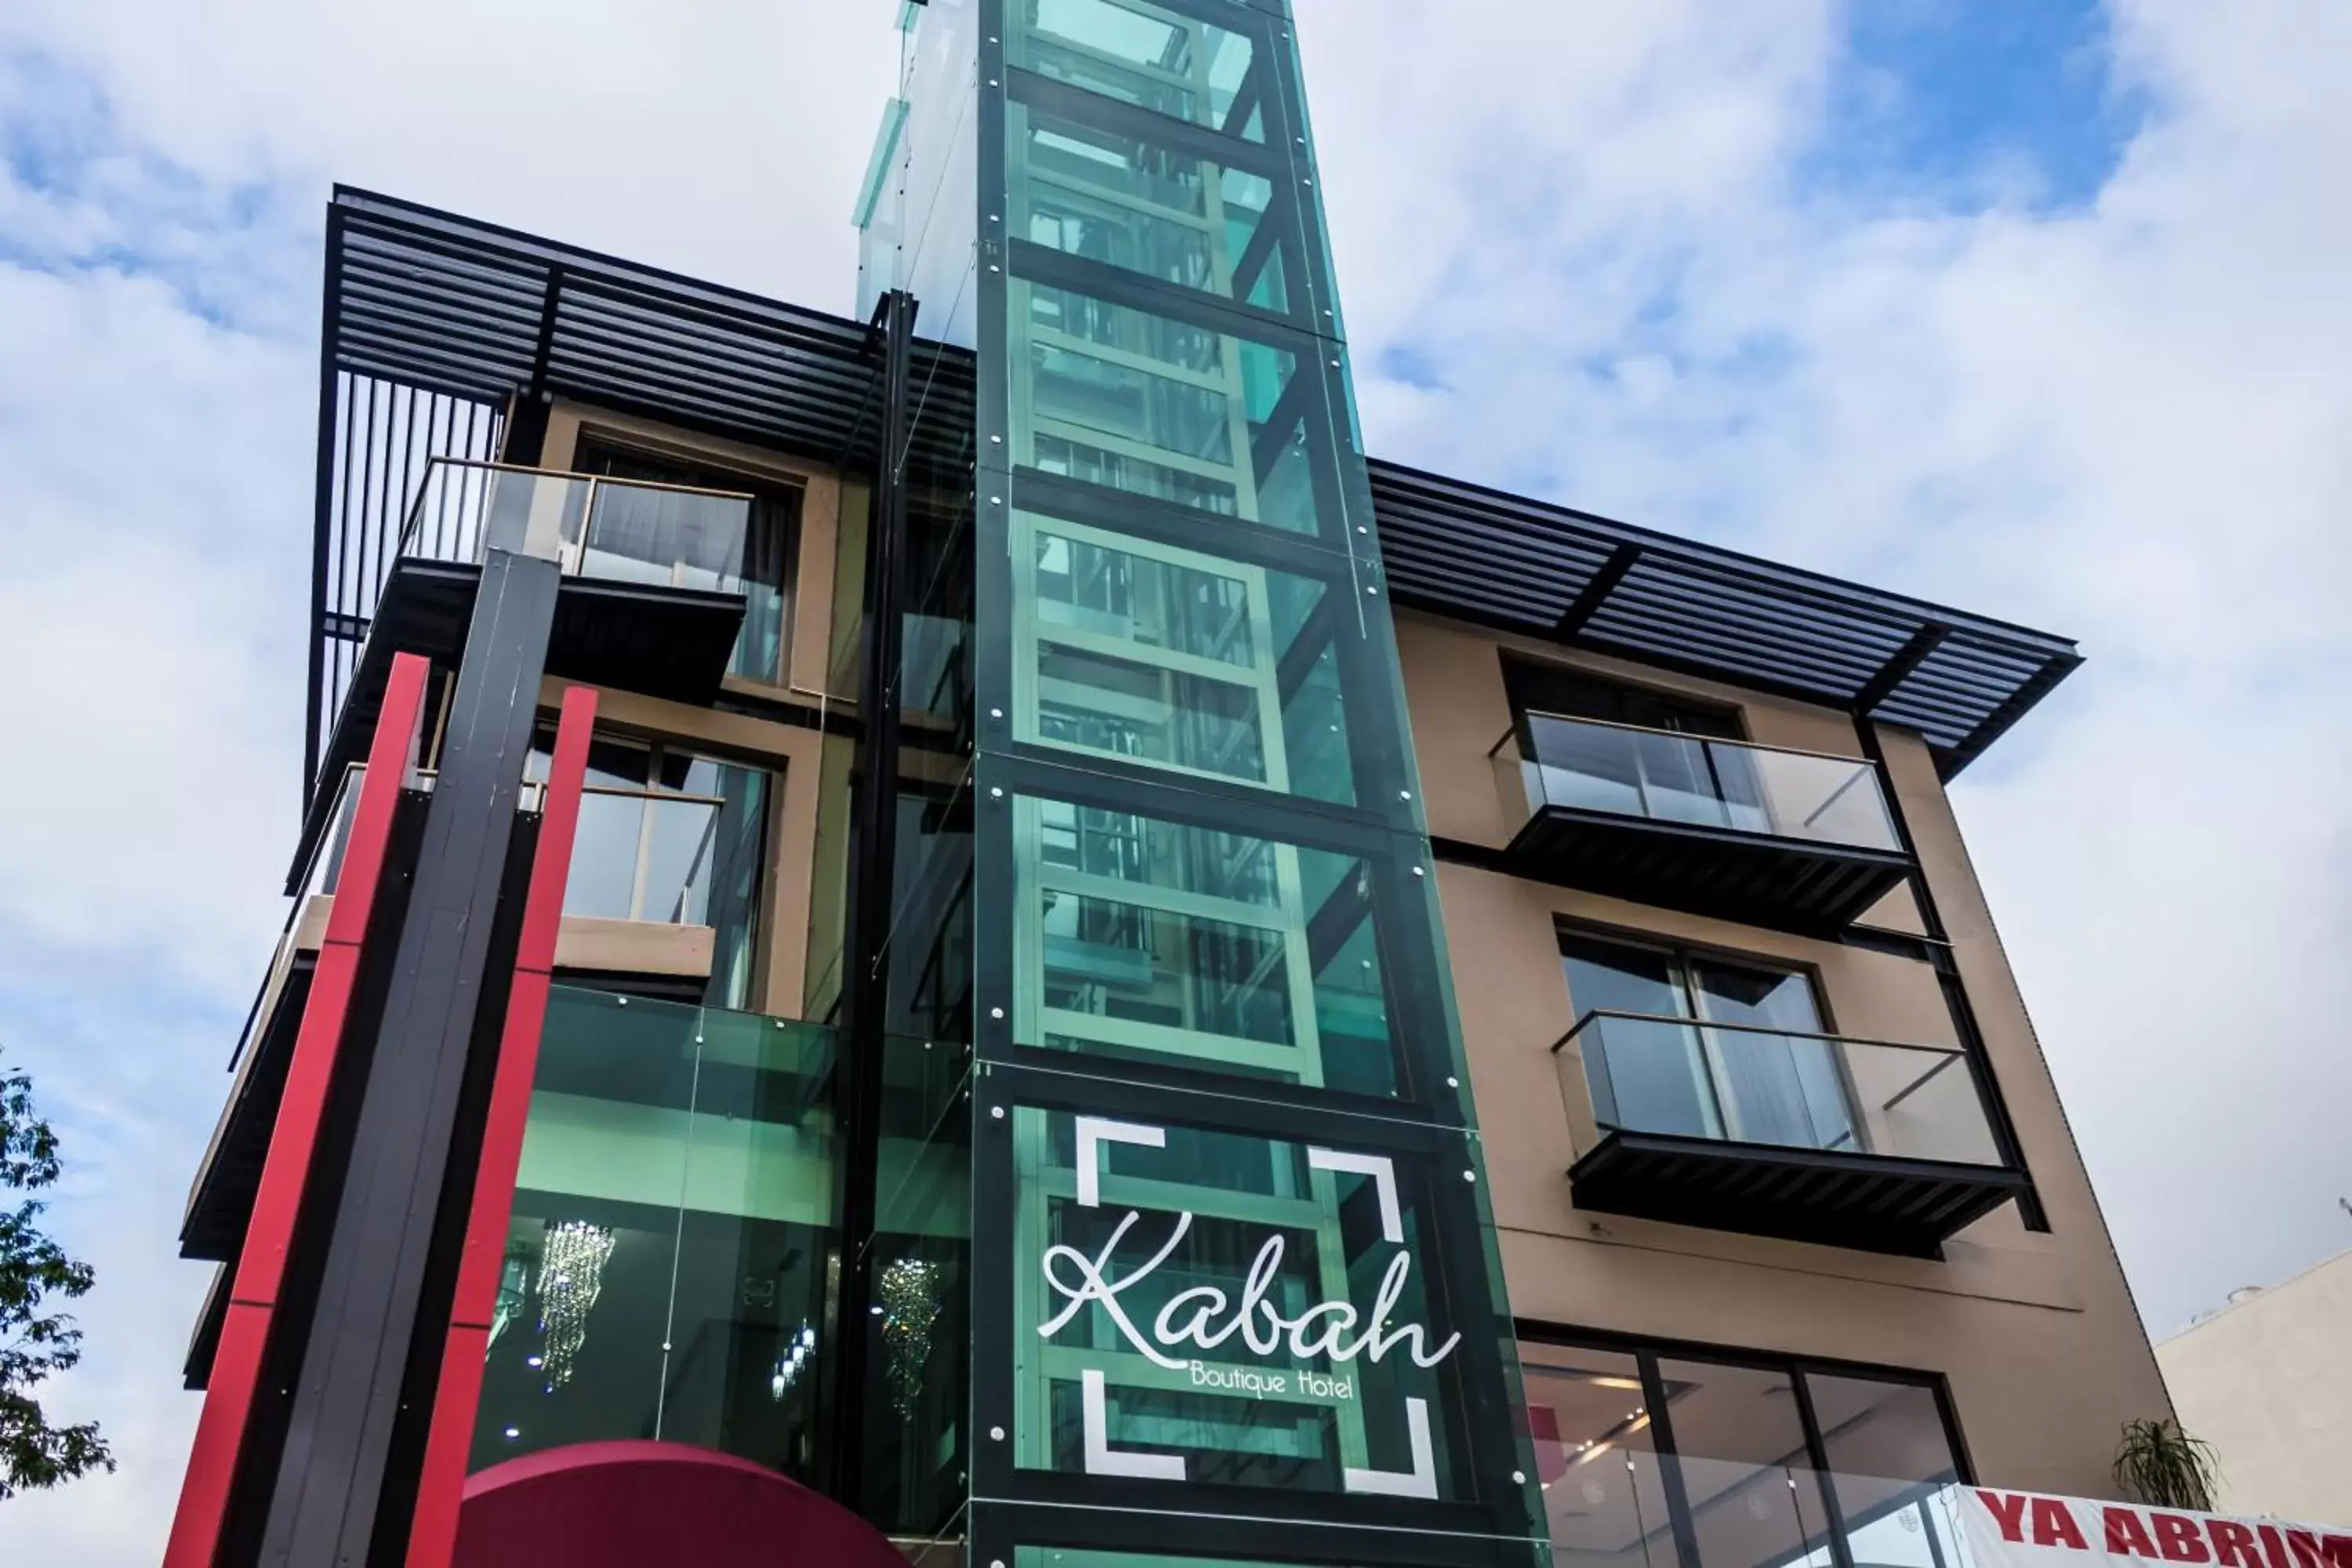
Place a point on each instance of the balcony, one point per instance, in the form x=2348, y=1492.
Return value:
x=1846, y=1143
x=653, y=588
x=646, y=866
x=1795, y=840
x=653, y=597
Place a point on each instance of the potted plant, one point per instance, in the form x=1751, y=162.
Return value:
x=2165, y=1467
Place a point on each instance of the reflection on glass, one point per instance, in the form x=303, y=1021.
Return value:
x=672, y=838
x=665, y=1271
x=1170, y=657
x=1739, y=1440
x=655, y=519
x=1596, y=1459
x=1122, y=397
x=1667, y=777
x=918, y=1355
x=1746, y=1082
x=1112, y=197
x=1137, y=53
x=1889, y=1453
x=1663, y=1075
x=1733, y=1468
x=1148, y=939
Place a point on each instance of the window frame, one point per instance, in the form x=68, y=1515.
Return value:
x=1647, y=1353
x=1682, y=957
x=1734, y=713
x=1682, y=952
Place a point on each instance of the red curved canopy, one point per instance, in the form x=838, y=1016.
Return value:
x=622, y=1505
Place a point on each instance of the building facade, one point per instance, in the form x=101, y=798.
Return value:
x=2263, y=1381
x=969, y=929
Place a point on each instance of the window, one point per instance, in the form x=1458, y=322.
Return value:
x=1657, y=1459
x=771, y=542
x=671, y=838
x=1762, y=1076
x=1572, y=694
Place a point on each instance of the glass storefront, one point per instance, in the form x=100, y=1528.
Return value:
x=665, y=1264
x=1651, y=1458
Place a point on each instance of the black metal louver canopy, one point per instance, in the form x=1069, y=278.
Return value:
x=442, y=305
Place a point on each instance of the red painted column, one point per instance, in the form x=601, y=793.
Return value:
x=433, y=1536
x=293, y=1141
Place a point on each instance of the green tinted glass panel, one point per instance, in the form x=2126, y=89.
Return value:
x=1138, y=54
x=1139, y=402
x=1143, y=938
x=665, y=1272
x=1156, y=653
x=1117, y=198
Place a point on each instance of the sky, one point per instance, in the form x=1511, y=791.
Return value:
x=2035, y=310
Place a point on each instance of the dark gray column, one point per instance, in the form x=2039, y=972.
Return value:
x=330, y=1485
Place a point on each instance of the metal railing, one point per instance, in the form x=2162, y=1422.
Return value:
x=625, y=530
x=1745, y=1083
x=636, y=855
x=325, y=868
x=1547, y=760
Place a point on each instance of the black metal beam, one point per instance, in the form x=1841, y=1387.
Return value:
x=1892, y=674
x=1595, y=592
x=330, y=307
x=874, y=835
x=1956, y=1004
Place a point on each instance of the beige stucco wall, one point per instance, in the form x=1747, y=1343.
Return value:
x=2268, y=1382
x=2035, y=1332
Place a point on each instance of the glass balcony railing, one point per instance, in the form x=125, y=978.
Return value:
x=623, y=530
x=636, y=855
x=1580, y=764
x=1740, y=1083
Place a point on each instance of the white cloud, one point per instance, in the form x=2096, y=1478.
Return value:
x=2122, y=421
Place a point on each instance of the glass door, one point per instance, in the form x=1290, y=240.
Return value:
x=1775, y=1087
x=1765, y=1077
x=1658, y=1074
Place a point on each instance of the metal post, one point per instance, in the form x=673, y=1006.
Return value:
x=874, y=833
x=357, y=1380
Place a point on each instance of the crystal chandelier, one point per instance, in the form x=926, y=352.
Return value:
x=571, y=1274
x=910, y=1303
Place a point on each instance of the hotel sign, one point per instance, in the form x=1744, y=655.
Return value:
x=1209, y=1305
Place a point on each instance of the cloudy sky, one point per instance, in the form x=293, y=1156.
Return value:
x=2038, y=310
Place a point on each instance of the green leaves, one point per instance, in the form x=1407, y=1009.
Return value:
x=2165, y=1467
x=33, y=1344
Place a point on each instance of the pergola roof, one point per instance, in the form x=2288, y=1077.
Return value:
x=453, y=309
